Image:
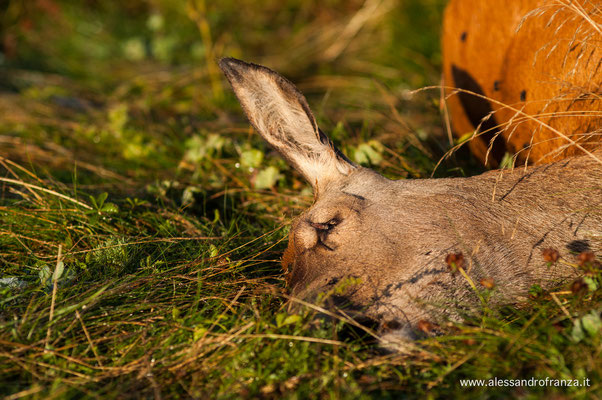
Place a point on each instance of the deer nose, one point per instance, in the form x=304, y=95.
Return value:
x=306, y=236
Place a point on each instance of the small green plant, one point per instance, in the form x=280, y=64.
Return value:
x=100, y=205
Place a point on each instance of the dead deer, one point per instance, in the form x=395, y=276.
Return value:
x=390, y=239
x=530, y=74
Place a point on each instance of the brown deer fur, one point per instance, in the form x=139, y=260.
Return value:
x=384, y=243
x=538, y=66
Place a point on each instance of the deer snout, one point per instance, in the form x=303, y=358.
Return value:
x=306, y=236
x=302, y=237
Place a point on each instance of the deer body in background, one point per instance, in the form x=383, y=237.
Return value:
x=391, y=238
x=530, y=72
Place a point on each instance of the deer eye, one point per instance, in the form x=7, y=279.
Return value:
x=325, y=226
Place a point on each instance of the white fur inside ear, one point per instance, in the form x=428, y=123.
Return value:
x=281, y=115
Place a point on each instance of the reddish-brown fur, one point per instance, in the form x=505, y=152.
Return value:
x=538, y=63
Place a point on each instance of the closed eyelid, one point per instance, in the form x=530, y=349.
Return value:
x=324, y=226
x=357, y=196
x=320, y=226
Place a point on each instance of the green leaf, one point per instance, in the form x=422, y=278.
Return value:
x=507, y=161
x=195, y=149
x=163, y=47
x=199, y=332
x=110, y=208
x=213, y=251
x=58, y=271
x=291, y=319
x=155, y=22
x=577, y=333
x=591, y=323
x=188, y=194
x=134, y=49
x=283, y=319
x=199, y=147
x=93, y=201
x=267, y=178
x=215, y=142
x=100, y=200
x=44, y=274
x=118, y=117
x=467, y=136
x=74, y=307
x=280, y=319
x=535, y=290
x=591, y=283
x=251, y=158
x=369, y=153
x=338, y=132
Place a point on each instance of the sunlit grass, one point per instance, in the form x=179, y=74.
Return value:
x=139, y=206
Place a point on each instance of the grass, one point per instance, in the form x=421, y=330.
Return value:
x=142, y=221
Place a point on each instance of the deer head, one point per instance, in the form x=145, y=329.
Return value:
x=384, y=243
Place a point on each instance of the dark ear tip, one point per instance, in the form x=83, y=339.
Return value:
x=228, y=62
x=232, y=67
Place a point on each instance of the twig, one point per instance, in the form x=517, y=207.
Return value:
x=79, y=317
x=472, y=285
x=52, y=192
x=443, y=107
x=293, y=337
x=25, y=393
x=339, y=317
x=197, y=10
x=4, y=162
x=563, y=308
x=369, y=10
x=54, y=289
x=506, y=106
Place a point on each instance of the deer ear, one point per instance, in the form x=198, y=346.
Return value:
x=280, y=113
